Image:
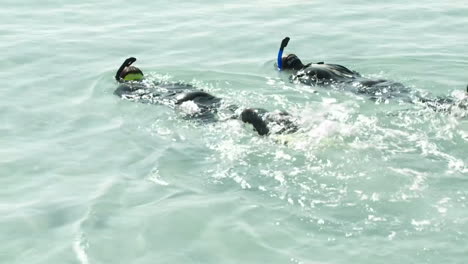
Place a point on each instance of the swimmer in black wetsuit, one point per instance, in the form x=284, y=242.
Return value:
x=325, y=74
x=133, y=87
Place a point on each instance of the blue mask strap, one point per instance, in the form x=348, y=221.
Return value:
x=284, y=43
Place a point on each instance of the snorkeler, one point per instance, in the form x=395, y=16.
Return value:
x=325, y=74
x=338, y=76
x=133, y=86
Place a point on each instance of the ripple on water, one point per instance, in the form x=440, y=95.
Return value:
x=89, y=178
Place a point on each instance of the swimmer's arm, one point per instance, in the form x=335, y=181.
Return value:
x=252, y=117
x=122, y=90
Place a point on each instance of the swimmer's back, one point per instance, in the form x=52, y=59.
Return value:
x=321, y=73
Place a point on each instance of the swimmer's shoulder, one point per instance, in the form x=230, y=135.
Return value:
x=122, y=90
x=322, y=67
x=176, y=86
x=199, y=96
x=128, y=88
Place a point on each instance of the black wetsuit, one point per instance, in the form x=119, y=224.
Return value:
x=266, y=122
x=342, y=77
x=377, y=89
x=174, y=94
x=171, y=94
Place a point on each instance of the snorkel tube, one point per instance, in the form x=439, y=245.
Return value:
x=284, y=43
x=126, y=63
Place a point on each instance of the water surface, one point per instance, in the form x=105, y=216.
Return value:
x=89, y=178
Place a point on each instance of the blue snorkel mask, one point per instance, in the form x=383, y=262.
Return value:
x=284, y=43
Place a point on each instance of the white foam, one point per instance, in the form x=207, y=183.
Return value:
x=189, y=108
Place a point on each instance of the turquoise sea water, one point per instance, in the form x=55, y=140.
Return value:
x=89, y=178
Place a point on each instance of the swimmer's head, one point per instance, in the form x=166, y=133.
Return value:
x=127, y=72
x=292, y=62
x=131, y=73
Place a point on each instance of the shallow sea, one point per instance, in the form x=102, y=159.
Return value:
x=88, y=178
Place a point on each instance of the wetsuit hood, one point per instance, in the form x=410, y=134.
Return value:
x=131, y=73
x=289, y=62
x=126, y=72
x=292, y=62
